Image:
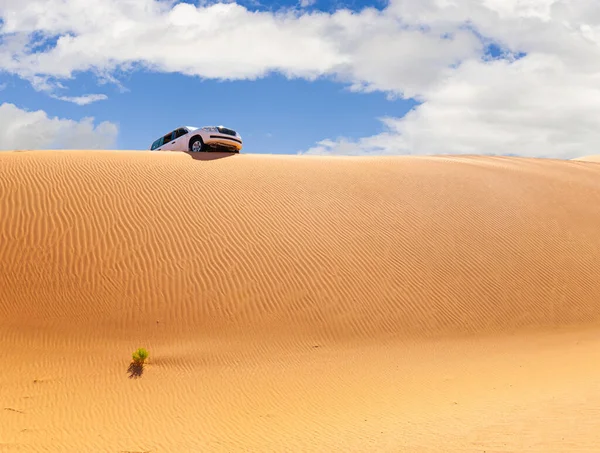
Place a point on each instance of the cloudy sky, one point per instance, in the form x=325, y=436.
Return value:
x=513, y=77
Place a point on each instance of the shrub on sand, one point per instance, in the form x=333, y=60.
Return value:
x=136, y=367
x=140, y=356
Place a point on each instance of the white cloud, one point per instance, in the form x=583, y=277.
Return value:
x=532, y=107
x=546, y=104
x=307, y=3
x=22, y=129
x=81, y=100
x=222, y=41
x=430, y=50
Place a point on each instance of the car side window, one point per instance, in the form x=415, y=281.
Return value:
x=156, y=143
x=168, y=137
x=180, y=133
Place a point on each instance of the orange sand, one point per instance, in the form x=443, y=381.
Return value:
x=296, y=303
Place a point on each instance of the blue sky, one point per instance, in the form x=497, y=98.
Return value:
x=351, y=77
x=274, y=115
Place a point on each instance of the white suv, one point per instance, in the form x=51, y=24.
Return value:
x=193, y=139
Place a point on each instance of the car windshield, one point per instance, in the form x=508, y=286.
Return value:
x=225, y=130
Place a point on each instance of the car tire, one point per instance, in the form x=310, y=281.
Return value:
x=197, y=145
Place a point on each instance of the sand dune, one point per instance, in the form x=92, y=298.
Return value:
x=295, y=303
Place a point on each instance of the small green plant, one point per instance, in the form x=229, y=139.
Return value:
x=140, y=356
x=136, y=367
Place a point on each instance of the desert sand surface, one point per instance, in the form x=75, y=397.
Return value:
x=298, y=303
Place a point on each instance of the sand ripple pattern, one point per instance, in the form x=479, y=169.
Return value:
x=323, y=247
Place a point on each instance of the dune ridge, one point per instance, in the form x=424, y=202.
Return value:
x=298, y=303
x=590, y=158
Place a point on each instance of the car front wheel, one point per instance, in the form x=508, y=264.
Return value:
x=196, y=145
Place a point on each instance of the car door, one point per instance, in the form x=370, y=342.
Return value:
x=167, y=142
x=179, y=142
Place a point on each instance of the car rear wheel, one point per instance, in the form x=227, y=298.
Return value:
x=197, y=145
